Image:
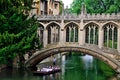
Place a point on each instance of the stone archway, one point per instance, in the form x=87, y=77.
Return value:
x=41, y=55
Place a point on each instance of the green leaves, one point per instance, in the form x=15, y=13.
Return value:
x=98, y=6
x=17, y=31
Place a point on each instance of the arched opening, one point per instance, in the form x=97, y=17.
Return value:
x=91, y=33
x=47, y=53
x=71, y=32
x=110, y=35
x=40, y=32
x=53, y=33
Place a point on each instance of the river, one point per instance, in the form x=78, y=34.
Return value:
x=73, y=66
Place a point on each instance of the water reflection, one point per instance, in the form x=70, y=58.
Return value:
x=74, y=67
x=52, y=77
x=87, y=60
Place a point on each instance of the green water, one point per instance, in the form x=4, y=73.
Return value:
x=74, y=67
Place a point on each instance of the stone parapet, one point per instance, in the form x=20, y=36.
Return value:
x=102, y=16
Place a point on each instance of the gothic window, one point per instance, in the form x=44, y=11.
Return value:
x=53, y=33
x=91, y=33
x=71, y=33
x=40, y=33
x=110, y=35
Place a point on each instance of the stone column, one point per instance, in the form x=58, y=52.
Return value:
x=113, y=37
x=94, y=29
x=89, y=34
x=74, y=34
x=45, y=38
x=62, y=33
x=52, y=31
x=107, y=36
x=100, y=38
x=69, y=34
x=55, y=36
x=118, y=40
x=81, y=33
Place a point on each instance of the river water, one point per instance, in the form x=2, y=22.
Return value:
x=74, y=67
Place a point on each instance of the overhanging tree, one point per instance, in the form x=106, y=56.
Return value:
x=96, y=6
x=17, y=30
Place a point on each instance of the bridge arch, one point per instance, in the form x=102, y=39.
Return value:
x=41, y=55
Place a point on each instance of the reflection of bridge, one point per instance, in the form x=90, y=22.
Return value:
x=97, y=35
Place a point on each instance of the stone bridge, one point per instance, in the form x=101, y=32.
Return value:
x=100, y=29
x=94, y=34
x=52, y=49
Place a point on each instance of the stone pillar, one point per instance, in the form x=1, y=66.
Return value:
x=113, y=37
x=45, y=38
x=69, y=34
x=100, y=38
x=89, y=34
x=62, y=33
x=118, y=40
x=94, y=34
x=56, y=30
x=107, y=36
x=52, y=31
x=81, y=34
x=54, y=38
x=74, y=34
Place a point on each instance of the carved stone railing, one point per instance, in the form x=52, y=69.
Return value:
x=58, y=17
x=102, y=16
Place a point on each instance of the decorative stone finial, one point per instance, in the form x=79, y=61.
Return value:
x=83, y=9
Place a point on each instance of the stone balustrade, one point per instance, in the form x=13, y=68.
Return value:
x=102, y=16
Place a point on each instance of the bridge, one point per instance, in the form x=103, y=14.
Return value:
x=94, y=34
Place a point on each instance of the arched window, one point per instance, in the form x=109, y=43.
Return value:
x=53, y=33
x=71, y=33
x=40, y=33
x=110, y=35
x=91, y=33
